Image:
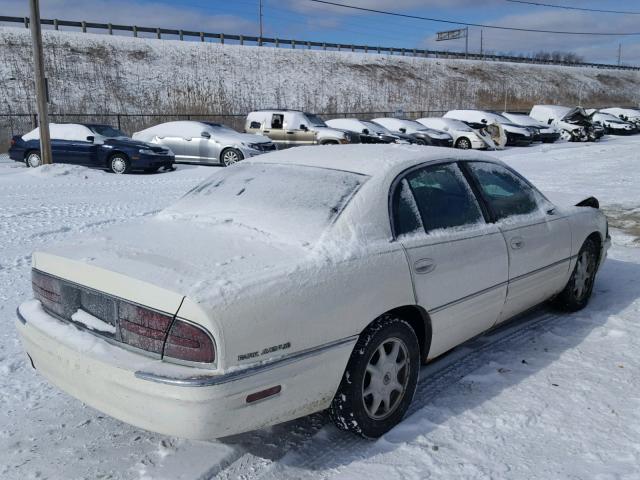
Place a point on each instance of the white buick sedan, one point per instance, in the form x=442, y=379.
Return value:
x=300, y=280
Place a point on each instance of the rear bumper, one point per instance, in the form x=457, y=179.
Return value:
x=171, y=399
x=16, y=154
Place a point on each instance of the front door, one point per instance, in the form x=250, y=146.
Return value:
x=82, y=152
x=537, y=237
x=458, y=262
x=274, y=129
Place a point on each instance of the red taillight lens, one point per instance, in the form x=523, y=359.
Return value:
x=190, y=343
x=13, y=142
x=143, y=328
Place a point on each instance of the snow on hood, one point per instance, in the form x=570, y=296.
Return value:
x=247, y=138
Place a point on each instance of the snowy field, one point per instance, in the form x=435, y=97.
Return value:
x=547, y=396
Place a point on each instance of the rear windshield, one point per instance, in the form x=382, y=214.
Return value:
x=287, y=201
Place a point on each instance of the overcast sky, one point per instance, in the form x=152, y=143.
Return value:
x=305, y=20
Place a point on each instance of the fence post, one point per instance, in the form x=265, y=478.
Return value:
x=135, y=31
x=293, y=44
x=26, y=22
x=378, y=49
x=353, y=48
x=34, y=120
x=308, y=45
x=158, y=34
x=324, y=46
x=366, y=49
x=277, y=43
x=391, y=51
x=222, y=38
x=110, y=29
x=84, y=26
x=202, y=36
x=241, y=40
x=55, y=23
x=118, y=120
x=338, y=47
x=181, y=34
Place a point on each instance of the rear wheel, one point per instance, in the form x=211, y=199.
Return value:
x=33, y=159
x=380, y=379
x=463, y=143
x=230, y=156
x=420, y=141
x=119, y=164
x=577, y=292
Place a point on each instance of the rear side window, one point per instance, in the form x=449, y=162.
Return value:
x=435, y=197
x=506, y=193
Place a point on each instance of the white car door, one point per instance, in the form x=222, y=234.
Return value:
x=537, y=236
x=458, y=262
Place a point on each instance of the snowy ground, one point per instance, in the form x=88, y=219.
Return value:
x=547, y=396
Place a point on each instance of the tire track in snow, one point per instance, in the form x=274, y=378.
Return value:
x=311, y=457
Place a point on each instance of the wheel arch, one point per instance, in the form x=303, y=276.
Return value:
x=418, y=318
x=113, y=153
x=596, y=237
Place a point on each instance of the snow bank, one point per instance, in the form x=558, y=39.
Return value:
x=63, y=169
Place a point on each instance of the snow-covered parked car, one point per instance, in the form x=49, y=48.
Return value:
x=292, y=128
x=626, y=114
x=369, y=132
x=421, y=135
x=516, y=134
x=541, y=131
x=94, y=146
x=464, y=137
x=575, y=124
x=612, y=124
x=300, y=280
x=205, y=142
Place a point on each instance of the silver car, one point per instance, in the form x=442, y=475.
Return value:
x=205, y=142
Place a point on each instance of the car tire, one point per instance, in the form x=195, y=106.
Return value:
x=119, y=164
x=371, y=400
x=33, y=159
x=229, y=156
x=577, y=292
x=420, y=141
x=463, y=143
x=329, y=142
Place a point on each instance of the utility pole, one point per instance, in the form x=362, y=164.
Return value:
x=466, y=43
x=619, y=53
x=260, y=18
x=41, y=85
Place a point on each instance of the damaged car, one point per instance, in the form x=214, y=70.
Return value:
x=612, y=124
x=421, y=135
x=516, y=135
x=575, y=124
x=541, y=131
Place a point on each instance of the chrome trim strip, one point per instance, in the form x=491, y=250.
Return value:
x=538, y=270
x=467, y=297
x=21, y=317
x=211, y=380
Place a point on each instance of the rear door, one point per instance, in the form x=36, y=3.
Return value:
x=458, y=261
x=538, y=238
x=274, y=128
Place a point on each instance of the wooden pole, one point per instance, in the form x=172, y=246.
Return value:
x=41, y=87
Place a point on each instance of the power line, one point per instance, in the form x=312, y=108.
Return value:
x=566, y=7
x=452, y=22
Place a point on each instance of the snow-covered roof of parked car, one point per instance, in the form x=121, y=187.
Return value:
x=61, y=131
x=365, y=159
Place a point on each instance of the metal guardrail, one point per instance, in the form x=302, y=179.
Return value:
x=291, y=43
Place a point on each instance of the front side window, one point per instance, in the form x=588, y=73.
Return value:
x=433, y=198
x=506, y=193
x=276, y=121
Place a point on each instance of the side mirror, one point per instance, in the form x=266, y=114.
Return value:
x=403, y=130
x=303, y=127
x=484, y=120
x=205, y=135
x=254, y=125
x=91, y=138
x=446, y=129
x=365, y=131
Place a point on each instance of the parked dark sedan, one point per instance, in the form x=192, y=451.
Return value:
x=92, y=145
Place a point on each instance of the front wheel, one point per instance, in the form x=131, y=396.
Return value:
x=380, y=379
x=230, y=156
x=33, y=159
x=463, y=143
x=577, y=292
x=119, y=164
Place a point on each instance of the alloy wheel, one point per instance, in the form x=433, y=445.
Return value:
x=583, y=275
x=386, y=378
x=230, y=157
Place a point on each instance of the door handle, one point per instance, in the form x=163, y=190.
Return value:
x=424, y=265
x=266, y=131
x=517, y=243
x=291, y=133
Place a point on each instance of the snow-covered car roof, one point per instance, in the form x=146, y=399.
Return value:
x=440, y=122
x=617, y=111
x=369, y=160
x=185, y=128
x=549, y=111
x=61, y=131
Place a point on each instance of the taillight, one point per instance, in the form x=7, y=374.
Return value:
x=143, y=328
x=13, y=142
x=190, y=343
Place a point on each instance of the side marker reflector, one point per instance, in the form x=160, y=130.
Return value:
x=269, y=392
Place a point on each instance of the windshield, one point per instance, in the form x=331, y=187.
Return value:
x=107, y=131
x=315, y=120
x=284, y=201
x=457, y=125
x=219, y=127
x=374, y=127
